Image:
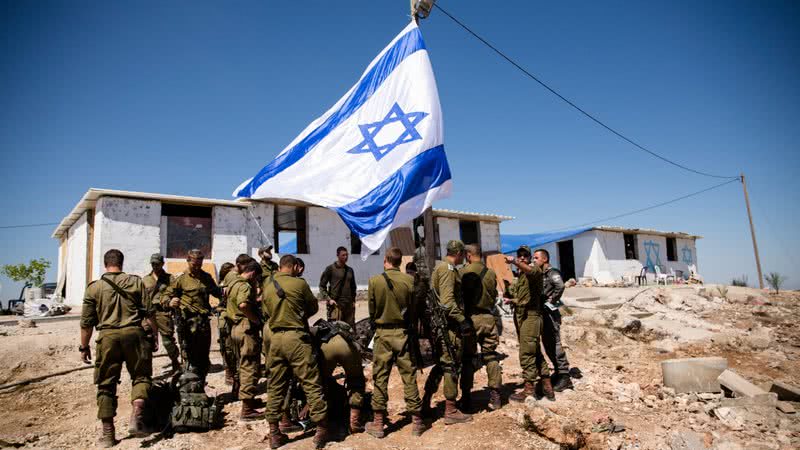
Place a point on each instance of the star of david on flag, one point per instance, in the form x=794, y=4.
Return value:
x=376, y=157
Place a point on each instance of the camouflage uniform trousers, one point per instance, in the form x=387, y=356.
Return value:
x=291, y=353
x=445, y=368
x=391, y=348
x=339, y=352
x=531, y=359
x=244, y=337
x=486, y=336
x=166, y=328
x=114, y=347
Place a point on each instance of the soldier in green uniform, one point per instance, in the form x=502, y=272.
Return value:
x=156, y=284
x=242, y=313
x=528, y=319
x=189, y=293
x=337, y=286
x=118, y=306
x=480, y=291
x=289, y=303
x=390, y=296
x=268, y=266
x=446, y=281
x=223, y=328
x=338, y=349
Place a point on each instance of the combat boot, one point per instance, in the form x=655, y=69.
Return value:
x=547, y=389
x=249, y=411
x=562, y=383
x=356, y=426
x=419, y=425
x=136, y=427
x=495, y=402
x=323, y=435
x=526, y=392
x=375, y=428
x=276, y=438
x=235, y=389
x=107, y=438
x=287, y=426
x=453, y=415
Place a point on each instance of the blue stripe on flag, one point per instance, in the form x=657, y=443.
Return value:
x=376, y=210
x=407, y=45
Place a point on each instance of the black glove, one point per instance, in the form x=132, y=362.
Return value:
x=466, y=328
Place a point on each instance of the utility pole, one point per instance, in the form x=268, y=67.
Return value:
x=752, y=233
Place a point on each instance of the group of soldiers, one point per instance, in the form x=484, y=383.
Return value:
x=264, y=311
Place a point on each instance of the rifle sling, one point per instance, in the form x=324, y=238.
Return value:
x=121, y=292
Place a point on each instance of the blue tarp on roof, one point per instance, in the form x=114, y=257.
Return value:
x=511, y=242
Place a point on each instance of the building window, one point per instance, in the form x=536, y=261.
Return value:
x=631, y=251
x=470, y=231
x=291, y=234
x=355, y=245
x=672, y=249
x=188, y=227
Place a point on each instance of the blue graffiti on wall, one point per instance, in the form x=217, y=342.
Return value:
x=687, y=255
x=651, y=250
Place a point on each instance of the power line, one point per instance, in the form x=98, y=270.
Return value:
x=570, y=103
x=5, y=227
x=630, y=213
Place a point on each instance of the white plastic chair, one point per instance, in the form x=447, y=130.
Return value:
x=660, y=276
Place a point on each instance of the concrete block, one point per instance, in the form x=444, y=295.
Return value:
x=786, y=391
x=693, y=374
x=735, y=383
x=786, y=408
x=765, y=399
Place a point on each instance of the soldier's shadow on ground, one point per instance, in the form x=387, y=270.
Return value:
x=215, y=368
x=391, y=427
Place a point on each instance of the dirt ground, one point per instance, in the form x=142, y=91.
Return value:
x=622, y=383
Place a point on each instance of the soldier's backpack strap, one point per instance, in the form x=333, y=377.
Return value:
x=483, y=272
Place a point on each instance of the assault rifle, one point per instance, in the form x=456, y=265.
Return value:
x=439, y=329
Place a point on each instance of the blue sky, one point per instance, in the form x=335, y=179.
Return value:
x=193, y=97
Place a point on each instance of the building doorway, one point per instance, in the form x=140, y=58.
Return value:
x=566, y=258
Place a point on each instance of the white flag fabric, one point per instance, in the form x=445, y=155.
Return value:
x=377, y=156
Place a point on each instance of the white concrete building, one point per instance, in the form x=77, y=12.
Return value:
x=140, y=224
x=610, y=254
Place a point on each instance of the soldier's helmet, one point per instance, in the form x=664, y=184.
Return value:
x=455, y=246
x=156, y=258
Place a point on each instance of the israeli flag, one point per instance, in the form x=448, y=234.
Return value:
x=377, y=156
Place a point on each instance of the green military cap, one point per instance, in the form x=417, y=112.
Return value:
x=455, y=246
x=156, y=258
x=524, y=247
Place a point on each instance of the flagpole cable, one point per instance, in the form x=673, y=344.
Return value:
x=259, y=226
x=576, y=107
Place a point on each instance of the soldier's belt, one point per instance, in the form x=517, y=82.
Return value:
x=284, y=329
